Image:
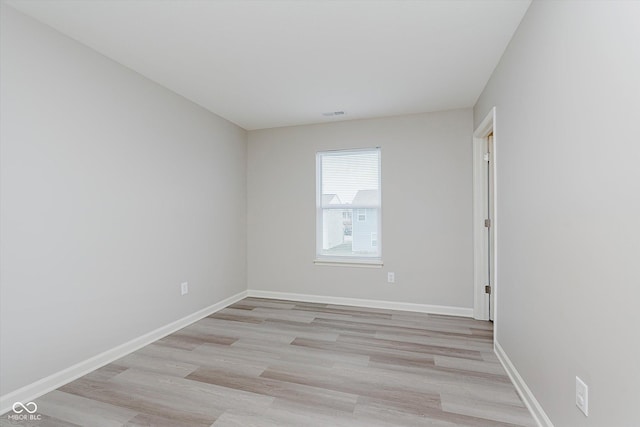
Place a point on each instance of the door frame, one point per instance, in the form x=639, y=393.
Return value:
x=480, y=203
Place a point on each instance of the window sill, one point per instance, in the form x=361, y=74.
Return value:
x=333, y=262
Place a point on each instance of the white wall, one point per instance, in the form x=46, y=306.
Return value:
x=426, y=213
x=567, y=93
x=113, y=191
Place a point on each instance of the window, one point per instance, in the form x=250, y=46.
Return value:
x=348, y=203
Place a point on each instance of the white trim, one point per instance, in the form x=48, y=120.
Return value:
x=357, y=302
x=486, y=125
x=349, y=262
x=534, y=407
x=480, y=298
x=58, y=379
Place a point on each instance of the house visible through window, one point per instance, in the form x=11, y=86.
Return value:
x=348, y=204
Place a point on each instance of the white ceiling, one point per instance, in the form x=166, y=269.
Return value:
x=263, y=64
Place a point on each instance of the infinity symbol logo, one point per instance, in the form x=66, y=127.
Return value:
x=18, y=407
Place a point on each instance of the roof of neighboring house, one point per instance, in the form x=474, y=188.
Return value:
x=330, y=199
x=366, y=197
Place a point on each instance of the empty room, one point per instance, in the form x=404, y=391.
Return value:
x=320, y=213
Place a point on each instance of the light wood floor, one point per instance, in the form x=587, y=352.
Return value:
x=281, y=363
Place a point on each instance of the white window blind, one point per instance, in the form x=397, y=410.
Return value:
x=348, y=205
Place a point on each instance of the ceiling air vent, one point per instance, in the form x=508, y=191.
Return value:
x=333, y=113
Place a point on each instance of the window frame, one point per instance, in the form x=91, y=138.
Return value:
x=352, y=260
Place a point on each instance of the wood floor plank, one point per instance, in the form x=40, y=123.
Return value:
x=408, y=346
x=44, y=420
x=147, y=420
x=264, y=362
x=107, y=372
x=384, y=415
x=452, y=341
x=469, y=365
x=368, y=387
x=296, y=414
x=147, y=402
x=427, y=381
x=82, y=411
x=291, y=391
x=188, y=339
x=268, y=302
x=290, y=354
x=485, y=409
x=204, y=358
x=196, y=396
x=395, y=327
x=231, y=419
x=155, y=364
x=437, y=415
x=235, y=329
x=376, y=354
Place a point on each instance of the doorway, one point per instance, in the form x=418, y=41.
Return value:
x=484, y=217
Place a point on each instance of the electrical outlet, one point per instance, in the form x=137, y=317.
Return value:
x=582, y=396
x=184, y=288
x=391, y=277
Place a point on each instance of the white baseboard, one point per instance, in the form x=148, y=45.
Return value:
x=357, y=302
x=52, y=382
x=540, y=417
